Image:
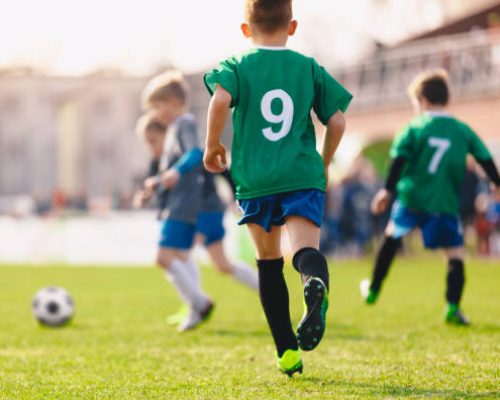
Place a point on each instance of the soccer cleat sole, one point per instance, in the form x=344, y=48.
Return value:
x=312, y=326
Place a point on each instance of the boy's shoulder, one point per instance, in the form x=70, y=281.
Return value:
x=186, y=119
x=264, y=52
x=422, y=121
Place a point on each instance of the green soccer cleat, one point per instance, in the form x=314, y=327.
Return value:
x=369, y=295
x=312, y=325
x=290, y=362
x=179, y=316
x=455, y=317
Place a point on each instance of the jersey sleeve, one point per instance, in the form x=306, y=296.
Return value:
x=476, y=146
x=226, y=76
x=329, y=95
x=403, y=144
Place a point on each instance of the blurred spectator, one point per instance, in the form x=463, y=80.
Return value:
x=349, y=224
x=484, y=226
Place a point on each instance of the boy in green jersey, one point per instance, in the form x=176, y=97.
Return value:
x=280, y=177
x=429, y=162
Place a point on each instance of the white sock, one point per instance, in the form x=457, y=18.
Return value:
x=245, y=274
x=194, y=270
x=190, y=292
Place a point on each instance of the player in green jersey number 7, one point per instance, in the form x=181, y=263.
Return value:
x=429, y=162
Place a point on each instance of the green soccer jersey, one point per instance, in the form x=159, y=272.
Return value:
x=435, y=146
x=273, y=91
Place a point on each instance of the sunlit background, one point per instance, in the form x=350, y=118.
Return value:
x=71, y=73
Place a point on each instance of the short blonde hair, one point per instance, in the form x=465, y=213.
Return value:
x=148, y=123
x=163, y=87
x=432, y=85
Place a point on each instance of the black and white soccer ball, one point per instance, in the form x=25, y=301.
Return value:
x=53, y=306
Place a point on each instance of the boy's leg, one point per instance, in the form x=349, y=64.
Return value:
x=272, y=286
x=239, y=270
x=383, y=262
x=193, y=269
x=304, y=240
x=455, y=282
x=401, y=223
x=312, y=265
x=173, y=261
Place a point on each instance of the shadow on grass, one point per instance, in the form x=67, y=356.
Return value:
x=235, y=333
x=403, y=391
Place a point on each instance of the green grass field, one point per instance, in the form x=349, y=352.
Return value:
x=119, y=347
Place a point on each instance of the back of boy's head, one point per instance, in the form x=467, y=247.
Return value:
x=148, y=124
x=432, y=86
x=268, y=16
x=163, y=87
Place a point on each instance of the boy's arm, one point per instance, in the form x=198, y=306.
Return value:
x=491, y=170
x=334, y=130
x=384, y=195
x=214, y=158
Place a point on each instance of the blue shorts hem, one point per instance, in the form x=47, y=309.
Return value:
x=269, y=211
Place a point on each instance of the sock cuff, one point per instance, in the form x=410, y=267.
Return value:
x=456, y=262
x=300, y=253
x=392, y=240
x=273, y=264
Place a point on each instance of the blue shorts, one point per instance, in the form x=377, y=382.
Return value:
x=180, y=235
x=210, y=225
x=438, y=230
x=268, y=211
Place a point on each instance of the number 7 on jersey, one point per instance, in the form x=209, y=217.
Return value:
x=441, y=146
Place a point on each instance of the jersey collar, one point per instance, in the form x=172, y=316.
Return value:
x=437, y=114
x=275, y=48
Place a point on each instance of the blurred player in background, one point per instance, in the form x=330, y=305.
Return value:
x=429, y=162
x=192, y=205
x=279, y=175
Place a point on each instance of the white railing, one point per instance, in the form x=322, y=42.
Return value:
x=472, y=60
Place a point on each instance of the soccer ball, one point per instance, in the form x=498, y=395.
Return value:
x=52, y=306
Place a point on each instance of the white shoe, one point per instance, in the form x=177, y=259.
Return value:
x=196, y=317
x=364, y=288
x=192, y=320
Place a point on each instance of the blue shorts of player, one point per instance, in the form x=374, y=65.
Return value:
x=180, y=235
x=268, y=211
x=438, y=230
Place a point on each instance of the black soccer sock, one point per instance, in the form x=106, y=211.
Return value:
x=383, y=261
x=275, y=302
x=455, y=281
x=310, y=262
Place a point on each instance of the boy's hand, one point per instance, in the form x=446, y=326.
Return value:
x=151, y=183
x=381, y=201
x=214, y=158
x=170, y=178
x=140, y=198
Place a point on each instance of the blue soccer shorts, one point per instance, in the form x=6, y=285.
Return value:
x=177, y=234
x=268, y=211
x=210, y=225
x=180, y=235
x=438, y=230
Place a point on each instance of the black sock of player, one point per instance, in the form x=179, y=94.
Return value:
x=275, y=302
x=455, y=281
x=310, y=262
x=383, y=261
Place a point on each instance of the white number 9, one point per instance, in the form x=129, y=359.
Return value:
x=286, y=116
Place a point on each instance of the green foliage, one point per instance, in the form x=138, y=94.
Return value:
x=378, y=153
x=119, y=347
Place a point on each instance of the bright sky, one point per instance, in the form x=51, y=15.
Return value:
x=76, y=36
